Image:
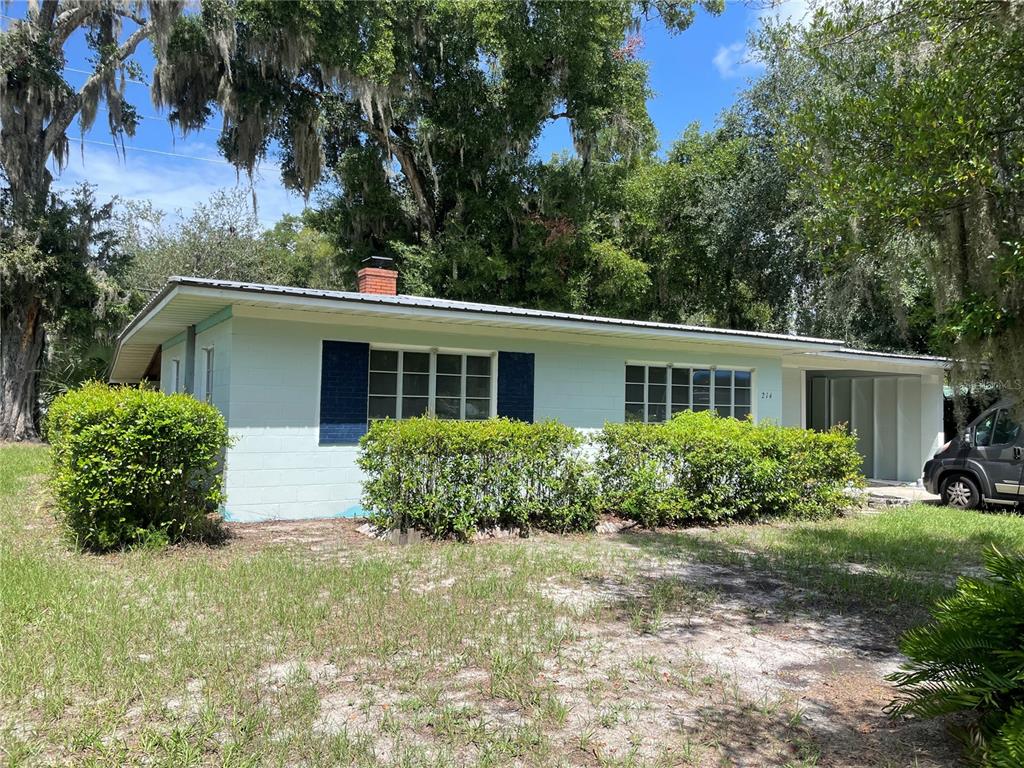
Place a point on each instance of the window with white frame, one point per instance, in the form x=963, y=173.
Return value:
x=208, y=374
x=655, y=393
x=175, y=375
x=450, y=385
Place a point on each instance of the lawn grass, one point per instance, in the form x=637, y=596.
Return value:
x=890, y=566
x=177, y=655
x=18, y=464
x=433, y=654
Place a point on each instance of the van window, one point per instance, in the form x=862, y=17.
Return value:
x=997, y=428
x=1006, y=430
x=983, y=430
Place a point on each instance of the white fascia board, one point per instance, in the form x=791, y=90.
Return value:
x=857, y=360
x=344, y=306
x=134, y=326
x=141, y=319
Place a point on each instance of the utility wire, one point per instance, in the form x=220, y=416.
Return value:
x=215, y=161
x=161, y=152
x=89, y=72
x=163, y=119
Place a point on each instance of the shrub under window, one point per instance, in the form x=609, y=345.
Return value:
x=134, y=466
x=452, y=478
x=700, y=468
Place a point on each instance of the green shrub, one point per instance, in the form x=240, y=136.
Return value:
x=452, y=478
x=134, y=466
x=970, y=659
x=699, y=468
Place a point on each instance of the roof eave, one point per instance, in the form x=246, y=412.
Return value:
x=599, y=326
x=408, y=307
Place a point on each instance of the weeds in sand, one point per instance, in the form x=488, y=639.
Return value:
x=432, y=654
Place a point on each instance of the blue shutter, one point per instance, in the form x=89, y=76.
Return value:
x=344, y=372
x=515, y=385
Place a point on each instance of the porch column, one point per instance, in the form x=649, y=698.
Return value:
x=190, y=360
x=908, y=428
x=885, y=442
x=933, y=428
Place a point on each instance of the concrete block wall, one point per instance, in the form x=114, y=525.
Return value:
x=167, y=357
x=218, y=337
x=277, y=467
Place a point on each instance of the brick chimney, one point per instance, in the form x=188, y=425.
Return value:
x=378, y=276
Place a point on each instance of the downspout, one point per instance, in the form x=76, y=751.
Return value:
x=190, y=360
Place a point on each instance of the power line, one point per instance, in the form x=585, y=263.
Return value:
x=216, y=161
x=74, y=69
x=164, y=119
x=119, y=147
x=90, y=72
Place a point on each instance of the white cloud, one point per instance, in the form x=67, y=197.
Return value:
x=736, y=59
x=170, y=183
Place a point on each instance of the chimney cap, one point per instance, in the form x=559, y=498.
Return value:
x=379, y=262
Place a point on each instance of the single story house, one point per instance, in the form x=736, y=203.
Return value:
x=299, y=373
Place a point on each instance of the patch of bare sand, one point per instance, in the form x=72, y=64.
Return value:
x=330, y=539
x=823, y=675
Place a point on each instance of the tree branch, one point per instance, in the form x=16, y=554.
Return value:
x=73, y=103
x=407, y=161
x=47, y=13
x=66, y=24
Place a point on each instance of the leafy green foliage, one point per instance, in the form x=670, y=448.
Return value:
x=454, y=93
x=700, y=468
x=453, y=478
x=222, y=238
x=134, y=466
x=64, y=284
x=421, y=119
x=969, y=659
x=906, y=132
x=43, y=285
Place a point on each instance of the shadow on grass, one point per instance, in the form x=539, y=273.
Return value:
x=882, y=579
x=857, y=736
x=211, y=532
x=799, y=589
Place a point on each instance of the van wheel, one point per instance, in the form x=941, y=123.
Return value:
x=960, y=491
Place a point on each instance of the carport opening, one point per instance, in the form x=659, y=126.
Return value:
x=882, y=410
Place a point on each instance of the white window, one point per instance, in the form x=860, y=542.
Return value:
x=208, y=375
x=450, y=385
x=175, y=375
x=656, y=392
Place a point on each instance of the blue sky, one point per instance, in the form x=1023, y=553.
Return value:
x=694, y=75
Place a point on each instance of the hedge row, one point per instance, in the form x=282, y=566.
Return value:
x=699, y=468
x=452, y=478
x=449, y=478
x=134, y=466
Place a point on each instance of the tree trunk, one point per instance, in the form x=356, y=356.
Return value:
x=21, y=350
x=397, y=146
x=22, y=331
x=37, y=112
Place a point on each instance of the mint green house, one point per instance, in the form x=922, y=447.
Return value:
x=300, y=373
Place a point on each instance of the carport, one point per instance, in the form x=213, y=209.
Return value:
x=892, y=403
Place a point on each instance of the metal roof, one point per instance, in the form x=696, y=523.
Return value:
x=463, y=306
x=205, y=295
